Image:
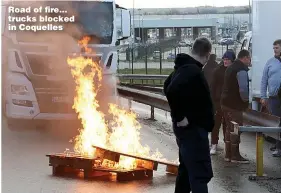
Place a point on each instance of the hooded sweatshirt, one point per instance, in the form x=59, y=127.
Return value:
x=209, y=68
x=188, y=93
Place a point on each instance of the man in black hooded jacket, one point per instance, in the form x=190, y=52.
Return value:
x=209, y=68
x=188, y=95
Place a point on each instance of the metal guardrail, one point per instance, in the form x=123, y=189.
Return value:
x=259, y=130
x=148, y=98
x=142, y=77
x=160, y=102
x=263, y=123
x=257, y=118
x=149, y=88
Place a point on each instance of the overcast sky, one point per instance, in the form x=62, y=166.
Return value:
x=179, y=3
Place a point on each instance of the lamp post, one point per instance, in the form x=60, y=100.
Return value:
x=139, y=22
x=134, y=22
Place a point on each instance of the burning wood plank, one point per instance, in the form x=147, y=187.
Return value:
x=75, y=165
x=144, y=162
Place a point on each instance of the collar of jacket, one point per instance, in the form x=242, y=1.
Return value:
x=185, y=59
x=278, y=58
x=241, y=65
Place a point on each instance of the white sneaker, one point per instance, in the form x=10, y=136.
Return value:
x=213, y=150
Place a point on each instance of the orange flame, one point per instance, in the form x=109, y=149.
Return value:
x=125, y=129
x=94, y=128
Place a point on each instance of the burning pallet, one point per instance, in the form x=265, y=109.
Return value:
x=73, y=164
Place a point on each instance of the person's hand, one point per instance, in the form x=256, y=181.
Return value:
x=263, y=102
x=183, y=123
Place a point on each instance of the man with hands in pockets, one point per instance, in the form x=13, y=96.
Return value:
x=188, y=95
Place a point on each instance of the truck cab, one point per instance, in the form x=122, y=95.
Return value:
x=37, y=83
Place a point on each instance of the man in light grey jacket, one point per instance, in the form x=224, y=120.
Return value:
x=271, y=81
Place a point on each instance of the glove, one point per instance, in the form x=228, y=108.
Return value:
x=183, y=123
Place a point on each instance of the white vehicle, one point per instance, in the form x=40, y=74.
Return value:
x=260, y=43
x=260, y=40
x=34, y=88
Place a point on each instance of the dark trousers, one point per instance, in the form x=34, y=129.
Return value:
x=195, y=169
x=219, y=119
x=232, y=115
x=274, y=105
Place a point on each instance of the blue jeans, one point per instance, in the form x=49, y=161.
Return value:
x=274, y=105
x=195, y=169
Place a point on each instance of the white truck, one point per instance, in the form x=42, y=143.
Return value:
x=259, y=42
x=266, y=29
x=34, y=88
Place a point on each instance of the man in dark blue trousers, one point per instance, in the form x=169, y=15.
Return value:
x=188, y=95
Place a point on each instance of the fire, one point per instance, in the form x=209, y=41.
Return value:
x=94, y=128
x=121, y=134
x=125, y=136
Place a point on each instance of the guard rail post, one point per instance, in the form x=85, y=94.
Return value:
x=259, y=147
x=259, y=154
x=152, y=117
x=130, y=104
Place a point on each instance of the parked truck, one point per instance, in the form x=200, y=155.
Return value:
x=35, y=89
x=259, y=42
x=266, y=29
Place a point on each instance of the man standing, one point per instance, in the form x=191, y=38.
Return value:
x=216, y=91
x=209, y=68
x=271, y=80
x=188, y=95
x=234, y=100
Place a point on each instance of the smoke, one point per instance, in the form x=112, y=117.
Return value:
x=60, y=42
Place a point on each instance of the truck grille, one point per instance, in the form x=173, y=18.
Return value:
x=50, y=66
x=54, y=96
x=54, y=103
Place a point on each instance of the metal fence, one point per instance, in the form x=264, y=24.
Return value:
x=157, y=58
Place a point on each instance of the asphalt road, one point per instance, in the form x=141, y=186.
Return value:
x=25, y=167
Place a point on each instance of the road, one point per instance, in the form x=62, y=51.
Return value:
x=25, y=167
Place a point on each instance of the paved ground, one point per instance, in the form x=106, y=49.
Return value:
x=26, y=170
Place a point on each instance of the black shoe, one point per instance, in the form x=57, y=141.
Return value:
x=273, y=148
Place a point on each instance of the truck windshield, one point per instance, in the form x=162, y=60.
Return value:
x=93, y=18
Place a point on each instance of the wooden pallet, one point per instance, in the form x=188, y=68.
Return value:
x=144, y=162
x=75, y=165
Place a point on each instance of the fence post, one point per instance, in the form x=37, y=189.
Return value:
x=146, y=60
x=132, y=70
x=129, y=56
x=133, y=60
x=118, y=61
x=160, y=60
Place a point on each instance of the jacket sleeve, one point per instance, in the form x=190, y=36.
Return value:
x=178, y=93
x=167, y=83
x=214, y=84
x=243, y=81
x=264, y=81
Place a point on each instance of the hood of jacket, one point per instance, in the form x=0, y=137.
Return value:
x=185, y=59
